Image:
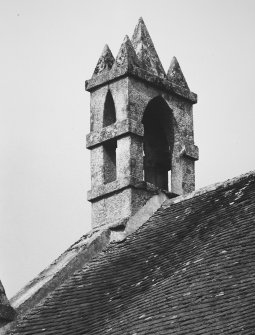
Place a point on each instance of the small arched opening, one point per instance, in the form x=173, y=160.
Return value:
x=110, y=172
x=109, y=115
x=158, y=142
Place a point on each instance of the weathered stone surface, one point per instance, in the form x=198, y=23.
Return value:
x=97, y=166
x=105, y=62
x=112, y=208
x=139, y=59
x=129, y=157
x=126, y=57
x=142, y=75
x=184, y=151
x=191, y=151
x=106, y=189
x=145, y=50
x=149, y=139
x=115, y=130
x=131, y=98
x=175, y=75
x=121, y=204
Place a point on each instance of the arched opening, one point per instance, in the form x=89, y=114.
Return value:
x=158, y=142
x=109, y=116
x=110, y=172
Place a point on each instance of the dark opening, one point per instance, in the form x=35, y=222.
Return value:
x=158, y=142
x=109, y=110
x=110, y=161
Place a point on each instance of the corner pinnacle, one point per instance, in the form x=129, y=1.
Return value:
x=126, y=55
x=145, y=50
x=175, y=74
x=105, y=61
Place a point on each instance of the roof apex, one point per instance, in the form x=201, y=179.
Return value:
x=175, y=75
x=105, y=61
x=146, y=51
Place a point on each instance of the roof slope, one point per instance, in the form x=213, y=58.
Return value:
x=190, y=269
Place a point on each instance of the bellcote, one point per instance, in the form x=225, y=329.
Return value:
x=141, y=123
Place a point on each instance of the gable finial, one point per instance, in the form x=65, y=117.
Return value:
x=175, y=75
x=145, y=50
x=105, y=61
x=126, y=56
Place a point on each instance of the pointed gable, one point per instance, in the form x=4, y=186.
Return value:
x=105, y=61
x=145, y=50
x=126, y=56
x=175, y=75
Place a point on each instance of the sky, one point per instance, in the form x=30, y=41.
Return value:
x=48, y=49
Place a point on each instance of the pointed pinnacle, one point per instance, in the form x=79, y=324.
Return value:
x=145, y=50
x=126, y=55
x=141, y=21
x=105, y=62
x=175, y=74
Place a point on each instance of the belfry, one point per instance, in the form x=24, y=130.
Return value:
x=141, y=130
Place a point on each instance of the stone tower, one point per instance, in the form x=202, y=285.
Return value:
x=141, y=130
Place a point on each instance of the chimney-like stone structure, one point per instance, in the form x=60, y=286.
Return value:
x=141, y=130
x=7, y=313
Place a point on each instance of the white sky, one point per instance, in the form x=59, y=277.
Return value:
x=48, y=49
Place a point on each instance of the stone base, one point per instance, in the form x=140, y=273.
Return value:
x=119, y=206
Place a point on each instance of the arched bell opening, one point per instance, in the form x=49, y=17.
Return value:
x=158, y=142
x=109, y=115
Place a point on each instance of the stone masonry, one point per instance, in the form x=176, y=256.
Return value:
x=141, y=130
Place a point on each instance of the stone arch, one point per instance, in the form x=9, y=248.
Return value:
x=158, y=142
x=109, y=114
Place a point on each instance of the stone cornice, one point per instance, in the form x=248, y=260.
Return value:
x=114, y=130
x=190, y=151
x=120, y=184
x=141, y=74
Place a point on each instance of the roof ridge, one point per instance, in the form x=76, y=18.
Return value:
x=206, y=189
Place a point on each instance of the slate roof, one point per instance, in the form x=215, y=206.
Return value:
x=190, y=269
